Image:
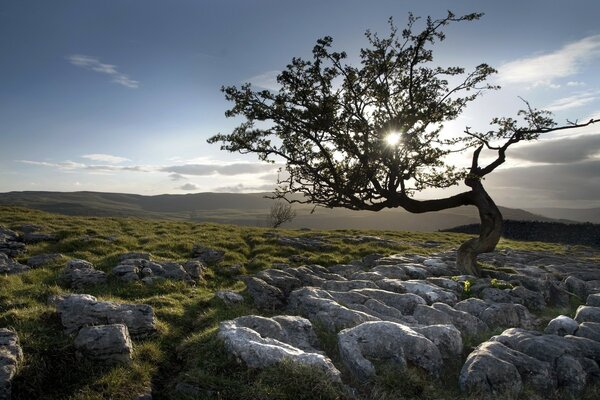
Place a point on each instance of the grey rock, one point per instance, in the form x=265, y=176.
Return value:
x=195, y=269
x=79, y=310
x=587, y=314
x=11, y=357
x=577, y=287
x=106, y=344
x=11, y=243
x=348, y=285
x=427, y=315
x=81, y=273
x=10, y=266
x=345, y=270
x=472, y=306
x=265, y=296
x=125, y=270
x=534, y=301
x=389, y=341
x=561, y=326
x=257, y=351
x=207, y=255
x=229, y=297
x=428, y=291
x=404, y=302
x=175, y=271
x=468, y=324
x=447, y=339
x=293, y=330
x=318, y=305
x=593, y=300
x=504, y=315
x=391, y=271
x=43, y=259
x=282, y=280
x=494, y=295
x=447, y=284
x=590, y=330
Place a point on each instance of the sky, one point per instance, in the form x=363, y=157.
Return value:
x=121, y=95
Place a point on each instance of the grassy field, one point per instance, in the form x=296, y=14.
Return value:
x=185, y=350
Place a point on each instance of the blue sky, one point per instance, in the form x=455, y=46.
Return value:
x=121, y=95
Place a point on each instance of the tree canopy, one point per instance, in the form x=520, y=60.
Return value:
x=370, y=136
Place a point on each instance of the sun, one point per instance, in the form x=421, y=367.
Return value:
x=393, y=138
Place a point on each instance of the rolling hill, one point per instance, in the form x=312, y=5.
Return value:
x=243, y=209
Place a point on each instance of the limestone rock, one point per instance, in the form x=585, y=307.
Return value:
x=504, y=315
x=81, y=273
x=472, y=306
x=590, y=330
x=319, y=305
x=587, y=314
x=106, y=344
x=561, y=326
x=79, y=310
x=577, y=287
x=229, y=297
x=468, y=324
x=257, y=351
x=195, y=269
x=10, y=266
x=265, y=296
x=11, y=243
x=11, y=357
x=384, y=340
x=207, y=255
x=293, y=330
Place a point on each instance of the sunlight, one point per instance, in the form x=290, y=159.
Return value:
x=393, y=138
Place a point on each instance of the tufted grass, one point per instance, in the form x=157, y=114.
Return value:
x=186, y=349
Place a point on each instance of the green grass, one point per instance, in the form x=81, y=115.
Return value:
x=186, y=348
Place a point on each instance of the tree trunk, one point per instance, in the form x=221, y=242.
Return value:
x=489, y=235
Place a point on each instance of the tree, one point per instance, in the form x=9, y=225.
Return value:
x=369, y=137
x=281, y=213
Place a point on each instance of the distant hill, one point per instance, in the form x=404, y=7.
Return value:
x=574, y=214
x=243, y=209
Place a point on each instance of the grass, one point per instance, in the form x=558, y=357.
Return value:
x=185, y=350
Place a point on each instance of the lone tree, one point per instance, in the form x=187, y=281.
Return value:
x=369, y=137
x=281, y=213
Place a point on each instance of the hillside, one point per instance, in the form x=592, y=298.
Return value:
x=244, y=209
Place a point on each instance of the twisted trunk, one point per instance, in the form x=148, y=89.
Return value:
x=489, y=234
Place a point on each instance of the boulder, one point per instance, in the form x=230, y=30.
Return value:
x=11, y=356
x=318, y=305
x=79, y=310
x=282, y=280
x=229, y=297
x=195, y=269
x=428, y=291
x=404, y=302
x=257, y=351
x=386, y=341
x=447, y=339
x=587, y=314
x=534, y=301
x=504, y=315
x=105, y=344
x=11, y=243
x=293, y=330
x=577, y=287
x=561, y=326
x=468, y=324
x=10, y=266
x=472, y=306
x=207, y=255
x=265, y=296
x=593, y=300
x=81, y=273
x=590, y=330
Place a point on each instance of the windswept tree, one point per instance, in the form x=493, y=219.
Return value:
x=370, y=137
x=280, y=213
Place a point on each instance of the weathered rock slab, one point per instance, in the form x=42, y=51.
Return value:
x=11, y=356
x=106, y=344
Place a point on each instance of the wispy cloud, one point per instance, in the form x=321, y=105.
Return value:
x=188, y=187
x=544, y=69
x=105, y=158
x=574, y=101
x=241, y=188
x=94, y=64
x=221, y=169
x=70, y=165
x=176, y=177
x=267, y=80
